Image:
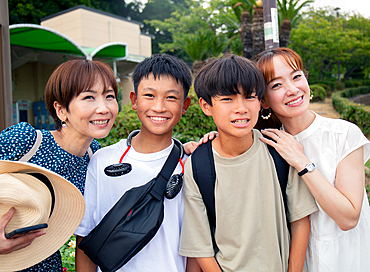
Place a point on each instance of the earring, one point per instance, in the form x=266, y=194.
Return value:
x=64, y=124
x=265, y=117
x=311, y=94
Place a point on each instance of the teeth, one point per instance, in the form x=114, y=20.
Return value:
x=295, y=101
x=99, y=122
x=158, y=118
x=244, y=121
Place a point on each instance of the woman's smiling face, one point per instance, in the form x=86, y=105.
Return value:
x=288, y=92
x=92, y=113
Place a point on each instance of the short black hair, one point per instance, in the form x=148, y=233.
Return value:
x=226, y=76
x=163, y=64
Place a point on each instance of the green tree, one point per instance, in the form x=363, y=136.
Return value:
x=194, y=31
x=31, y=11
x=160, y=10
x=324, y=41
x=289, y=15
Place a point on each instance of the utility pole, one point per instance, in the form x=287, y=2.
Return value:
x=6, y=100
x=270, y=17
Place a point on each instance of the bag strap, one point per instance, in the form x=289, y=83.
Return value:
x=26, y=157
x=111, y=220
x=204, y=174
x=90, y=152
x=159, y=187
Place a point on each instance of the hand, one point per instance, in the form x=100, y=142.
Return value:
x=288, y=147
x=189, y=147
x=207, y=137
x=9, y=245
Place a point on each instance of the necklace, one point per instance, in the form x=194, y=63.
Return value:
x=119, y=169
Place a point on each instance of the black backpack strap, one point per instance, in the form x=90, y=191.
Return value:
x=204, y=174
x=282, y=170
x=159, y=187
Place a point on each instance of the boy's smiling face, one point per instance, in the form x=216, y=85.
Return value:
x=159, y=103
x=234, y=115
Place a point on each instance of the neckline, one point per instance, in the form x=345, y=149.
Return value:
x=311, y=129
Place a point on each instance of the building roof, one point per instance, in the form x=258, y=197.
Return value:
x=93, y=10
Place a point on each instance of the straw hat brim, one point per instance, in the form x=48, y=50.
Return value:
x=67, y=214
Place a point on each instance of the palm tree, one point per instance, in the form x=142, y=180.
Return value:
x=202, y=45
x=258, y=29
x=244, y=10
x=288, y=16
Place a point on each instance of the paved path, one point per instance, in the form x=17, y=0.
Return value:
x=324, y=108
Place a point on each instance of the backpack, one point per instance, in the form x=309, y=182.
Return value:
x=204, y=175
x=132, y=222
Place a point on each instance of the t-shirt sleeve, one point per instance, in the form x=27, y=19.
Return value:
x=354, y=140
x=90, y=196
x=16, y=141
x=195, y=240
x=301, y=203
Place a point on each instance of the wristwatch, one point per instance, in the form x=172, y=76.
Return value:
x=308, y=168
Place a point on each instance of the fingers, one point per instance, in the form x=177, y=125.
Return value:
x=5, y=220
x=274, y=134
x=207, y=137
x=189, y=147
x=9, y=245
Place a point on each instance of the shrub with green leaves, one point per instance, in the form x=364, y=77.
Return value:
x=353, y=112
x=318, y=92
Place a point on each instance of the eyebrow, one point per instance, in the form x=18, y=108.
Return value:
x=93, y=91
x=167, y=91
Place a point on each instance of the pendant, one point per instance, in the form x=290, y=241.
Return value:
x=119, y=169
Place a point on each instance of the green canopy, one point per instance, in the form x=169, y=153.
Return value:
x=114, y=50
x=43, y=38
x=46, y=39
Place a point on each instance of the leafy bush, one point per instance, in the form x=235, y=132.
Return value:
x=356, y=113
x=318, y=92
x=339, y=85
x=352, y=83
x=192, y=126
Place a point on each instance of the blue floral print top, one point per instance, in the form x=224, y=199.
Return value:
x=17, y=140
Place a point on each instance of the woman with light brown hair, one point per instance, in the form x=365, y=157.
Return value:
x=329, y=155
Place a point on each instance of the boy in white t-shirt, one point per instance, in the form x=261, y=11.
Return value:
x=161, y=85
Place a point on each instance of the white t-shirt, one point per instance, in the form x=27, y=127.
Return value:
x=326, y=142
x=102, y=192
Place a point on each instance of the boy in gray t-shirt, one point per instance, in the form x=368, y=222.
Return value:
x=251, y=230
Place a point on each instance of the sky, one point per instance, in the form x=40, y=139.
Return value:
x=359, y=6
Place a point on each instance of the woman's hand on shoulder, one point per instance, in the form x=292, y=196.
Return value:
x=288, y=147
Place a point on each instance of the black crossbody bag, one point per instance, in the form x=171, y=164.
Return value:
x=131, y=223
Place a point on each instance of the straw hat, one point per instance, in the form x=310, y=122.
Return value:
x=33, y=203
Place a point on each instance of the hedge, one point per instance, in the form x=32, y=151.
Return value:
x=192, y=126
x=353, y=112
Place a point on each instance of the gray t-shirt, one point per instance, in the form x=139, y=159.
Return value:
x=251, y=230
